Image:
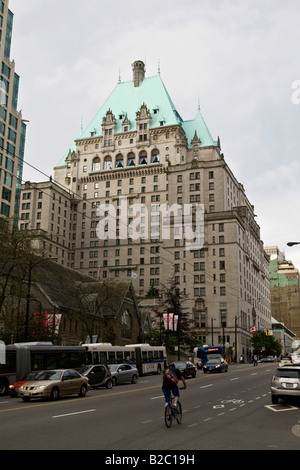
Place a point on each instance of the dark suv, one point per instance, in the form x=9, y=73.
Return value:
x=285, y=383
x=98, y=375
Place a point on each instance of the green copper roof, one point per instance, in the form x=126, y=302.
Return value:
x=126, y=99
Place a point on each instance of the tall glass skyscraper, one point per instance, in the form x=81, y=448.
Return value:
x=12, y=127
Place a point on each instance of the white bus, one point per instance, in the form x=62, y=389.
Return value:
x=147, y=359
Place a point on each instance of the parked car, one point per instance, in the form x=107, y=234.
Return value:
x=285, y=361
x=13, y=389
x=98, y=375
x=296, y=359
x=123, y=373
x=187, y=368
x=285, y=383
x=215, y=365
x=53, y=384
x=267, y=359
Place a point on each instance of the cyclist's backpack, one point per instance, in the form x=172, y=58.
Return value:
x=171, y=376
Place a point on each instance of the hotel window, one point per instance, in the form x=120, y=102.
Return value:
x=96, y=164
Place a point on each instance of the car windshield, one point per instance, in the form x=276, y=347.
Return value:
x=84, y=369
x=180, y=365
x=32, y=375
x=49, y=375
x=213, y=361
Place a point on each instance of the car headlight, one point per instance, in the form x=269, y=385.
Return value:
x=38, y=387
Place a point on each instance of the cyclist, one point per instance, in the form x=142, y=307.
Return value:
x=171, y=378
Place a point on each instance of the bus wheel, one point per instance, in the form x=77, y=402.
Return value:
x=158, y=370
x=3, y=387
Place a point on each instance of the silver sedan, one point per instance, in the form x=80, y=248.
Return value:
x=123, y=373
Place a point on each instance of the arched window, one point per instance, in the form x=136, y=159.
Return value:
x=154, y=156
x=96, y=164
x=107, y=163
x=126, y=325
x=119, y=161
x=131, y=159
x=143, y=158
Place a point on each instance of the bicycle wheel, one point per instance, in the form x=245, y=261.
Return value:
x=168, y=416
x=179, y=413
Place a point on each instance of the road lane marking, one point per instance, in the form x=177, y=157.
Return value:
x=75, y=413
x=205, y=386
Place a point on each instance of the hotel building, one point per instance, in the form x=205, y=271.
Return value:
x=107, y=216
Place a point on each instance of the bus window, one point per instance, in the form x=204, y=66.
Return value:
x=103, y=358
x=144, y=356
x=150, y=355
x=161, y=354
x=119, y=357
x=133, y=356
x=95, y=357
x=155, y=354
x=37, y=361
x=52, y=361
x=111, y=357
x=127, y=356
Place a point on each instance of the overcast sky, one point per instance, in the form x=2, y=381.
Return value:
x=239, y=58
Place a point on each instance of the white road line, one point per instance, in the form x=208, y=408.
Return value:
x=235, y=378
x=155, y=398
x=205, y=386
x=72, y=414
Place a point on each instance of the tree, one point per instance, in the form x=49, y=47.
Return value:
x=17, y=257
x=172, y=301
x=262, y=342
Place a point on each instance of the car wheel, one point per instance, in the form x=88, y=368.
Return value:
x=83, y=390
x=114, y=381
x=134, y=379
x=54, y=394
x=109, y=384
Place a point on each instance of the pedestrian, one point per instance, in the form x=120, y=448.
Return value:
x=255, y=360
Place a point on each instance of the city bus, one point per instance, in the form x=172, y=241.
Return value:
x=147, y=359
x=204, y=353
x=22, y=358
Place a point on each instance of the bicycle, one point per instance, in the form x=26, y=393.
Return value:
x=172, y=413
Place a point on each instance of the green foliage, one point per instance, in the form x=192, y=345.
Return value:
x=266, y=345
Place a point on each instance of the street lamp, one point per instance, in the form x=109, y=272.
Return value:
x=235, y=336
x=293, y=243
x=212, y=331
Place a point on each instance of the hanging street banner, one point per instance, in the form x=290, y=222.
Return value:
x=170, y=321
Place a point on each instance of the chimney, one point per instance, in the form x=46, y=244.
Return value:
x=138, y=68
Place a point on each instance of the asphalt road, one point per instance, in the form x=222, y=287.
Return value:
x=220, y=411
